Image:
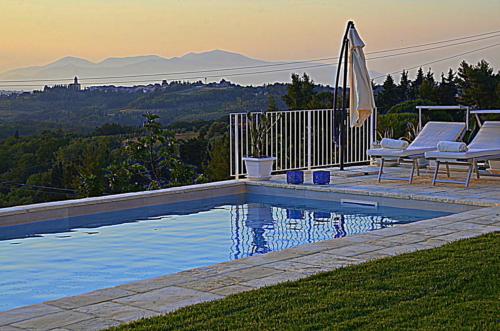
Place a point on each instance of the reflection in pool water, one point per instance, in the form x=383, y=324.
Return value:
x=48, y=260
x=259, y=228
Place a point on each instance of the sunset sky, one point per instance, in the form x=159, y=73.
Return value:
x=36, y=32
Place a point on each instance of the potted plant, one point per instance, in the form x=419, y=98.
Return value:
x=258, y=164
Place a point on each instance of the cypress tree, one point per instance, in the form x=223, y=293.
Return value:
x=415, y=88
x=404, y=86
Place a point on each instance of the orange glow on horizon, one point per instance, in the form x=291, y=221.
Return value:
x=38, y=32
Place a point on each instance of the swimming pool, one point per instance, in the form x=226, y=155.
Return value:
x=52, y=259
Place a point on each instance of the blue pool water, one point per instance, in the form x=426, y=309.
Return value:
x=53, y=259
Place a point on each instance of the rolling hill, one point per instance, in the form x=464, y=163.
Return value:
x=66, y=68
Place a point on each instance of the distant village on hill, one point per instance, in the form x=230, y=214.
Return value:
x=76, y=86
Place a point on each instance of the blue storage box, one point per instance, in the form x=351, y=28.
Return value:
x=295, y=177
x=321, y=177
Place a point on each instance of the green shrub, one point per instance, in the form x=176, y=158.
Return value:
x=400, y=125
x=409, y=106
x=395, y=125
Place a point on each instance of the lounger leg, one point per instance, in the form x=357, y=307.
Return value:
x=380, y=170
x=410, y=180
x=447, y=170
x=469, y=174
x=435, y=173
x=476, y=168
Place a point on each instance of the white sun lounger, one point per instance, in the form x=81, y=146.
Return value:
x=427, y=140
x=484, y=146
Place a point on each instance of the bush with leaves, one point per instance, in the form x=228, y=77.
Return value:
x=409, y=106
x=151, y=161
x=395, y=125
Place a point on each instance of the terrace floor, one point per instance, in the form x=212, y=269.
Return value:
x=113, y=306
x=363, y=180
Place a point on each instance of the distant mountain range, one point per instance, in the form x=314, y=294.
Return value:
x=179, y=68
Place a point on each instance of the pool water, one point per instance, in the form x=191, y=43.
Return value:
x=53, y=259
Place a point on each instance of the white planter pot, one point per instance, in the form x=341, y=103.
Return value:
x=259, y=168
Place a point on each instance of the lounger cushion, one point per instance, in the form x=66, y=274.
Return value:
x=485, y=145
x=451, y=146
x=470, y=154
x=387, y=152
x=434, y=132
x=427, y=140
x=393, y=143
x=488, y=136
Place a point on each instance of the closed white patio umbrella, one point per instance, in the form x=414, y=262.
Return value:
x=361, y=100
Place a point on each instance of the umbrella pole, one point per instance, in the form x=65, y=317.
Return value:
x=342, y=125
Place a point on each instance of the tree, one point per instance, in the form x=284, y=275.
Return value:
x=497, y=93
x=57, y=176
x=395, y=125
x=154, y=151
x=28, y=160
x=151, y=160
x=427, y=88
x=300, y=93
x=409, y=106
x=81, y=164
x=447, y=89
x=415, y=86
x=322, y=100
x=389, y=95
x=478, y=85
x=124, y=177
x=110, y=129
x=217, y=167
x=404, y=86
x=271, y=104
x=194, y=152
x=430, y=77
x=216, y=129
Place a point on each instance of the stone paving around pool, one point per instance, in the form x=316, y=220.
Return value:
x=113, y=306
x=362, y=180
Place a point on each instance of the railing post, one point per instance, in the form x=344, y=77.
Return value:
x=309, y=140
x=231, y=146
x=419, y=119
x=373, y=127
x=237, y=147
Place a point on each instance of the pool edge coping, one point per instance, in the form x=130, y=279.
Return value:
x=387, y=194
x=60, y=209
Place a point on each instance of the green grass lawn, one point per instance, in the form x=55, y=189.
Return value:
x=454, y=287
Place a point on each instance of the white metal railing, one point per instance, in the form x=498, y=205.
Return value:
x=299, y=139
